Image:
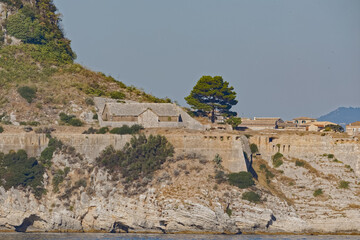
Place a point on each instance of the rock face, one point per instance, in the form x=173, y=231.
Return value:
x=183, y=196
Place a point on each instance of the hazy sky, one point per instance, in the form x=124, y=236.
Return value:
x=284, y=58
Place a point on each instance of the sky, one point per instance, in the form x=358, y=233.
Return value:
x=284, y=58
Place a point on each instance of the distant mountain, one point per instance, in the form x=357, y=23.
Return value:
x=342, y=116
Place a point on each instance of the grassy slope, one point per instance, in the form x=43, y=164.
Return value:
x=59, y=86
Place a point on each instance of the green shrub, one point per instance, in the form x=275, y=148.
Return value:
x=217, y=160
x=80, y=183
x=103, y=130
x=299, y=163
x=70, y=120
x=95, y=117
x=91, y=130
x=1, y=129
x=2, y=37
x=228, y=211
x=59, y=177
x=220, y=177
x=134, y=129
x=251, y=197
x=334, y=128
x=117, y=95
x=139, y=158
x=234, y=122
x=89, y=101
x=47, y=155
x=31, y=123
x=330, y=156
x=17, y=170
x=28, y=93
x=318, y=192
x=24, y=28
x=343, y=184
x=254, y=148
x=277, y=159
x=76, y=122
x=241, y=179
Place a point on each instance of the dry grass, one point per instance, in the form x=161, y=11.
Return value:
x=263, y=180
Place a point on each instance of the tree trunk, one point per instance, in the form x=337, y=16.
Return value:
x=213, y=116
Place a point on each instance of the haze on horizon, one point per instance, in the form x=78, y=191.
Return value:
x=284, y=58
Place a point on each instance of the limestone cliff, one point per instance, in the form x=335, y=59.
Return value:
x=184, y=196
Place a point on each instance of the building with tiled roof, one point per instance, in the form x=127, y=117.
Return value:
x=353, y=128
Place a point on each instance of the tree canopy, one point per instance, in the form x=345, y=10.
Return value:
x=212, y=94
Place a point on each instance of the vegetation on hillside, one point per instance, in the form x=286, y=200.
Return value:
x=39, y=24
x=138, y=159
x=44, y=62
x=18, y=170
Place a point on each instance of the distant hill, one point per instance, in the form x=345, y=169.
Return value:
x=342, y=116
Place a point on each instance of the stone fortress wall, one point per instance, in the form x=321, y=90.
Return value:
x=231, y=148
x=346, y=150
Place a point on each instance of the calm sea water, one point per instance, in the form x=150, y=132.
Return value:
x=95, y=236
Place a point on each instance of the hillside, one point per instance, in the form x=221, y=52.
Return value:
x=342, y=116
x=35, y=54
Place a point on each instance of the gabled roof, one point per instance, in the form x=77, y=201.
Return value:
x=261, y=122
x=135, y=109
x=304, y=118
x=321, y=124
x=357, y=123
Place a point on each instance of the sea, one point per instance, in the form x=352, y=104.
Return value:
x=102, y=236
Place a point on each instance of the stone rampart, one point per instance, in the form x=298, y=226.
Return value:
x=346, y=150
x=230, y=147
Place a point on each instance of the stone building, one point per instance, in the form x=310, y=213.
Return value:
x=260, y=123
x=303, y=120
x=318, y=126
x=149, y=115
x=353, y=128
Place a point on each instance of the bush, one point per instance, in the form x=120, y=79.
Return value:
x=228, y=211
x=277, y=159
x=89, y=101
x=318, y=192
x=139, y=158
x=70, y=120
x=24, y=28
x=47, y=155
x=80, y=183
x=220, y=177
x=241, y=179
x=343, y=184
x=117, y=95
x=17, y=170
x=76, y=122
x=254, y=148
x=299, y=163
x=28, y=93
x=334, y=128
x=91, y=130
x=58, y=178
x=134, y=129
x=103, y=130
x=1, y=129
x=251, y=197
x=233, y=121
x=217, y=160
